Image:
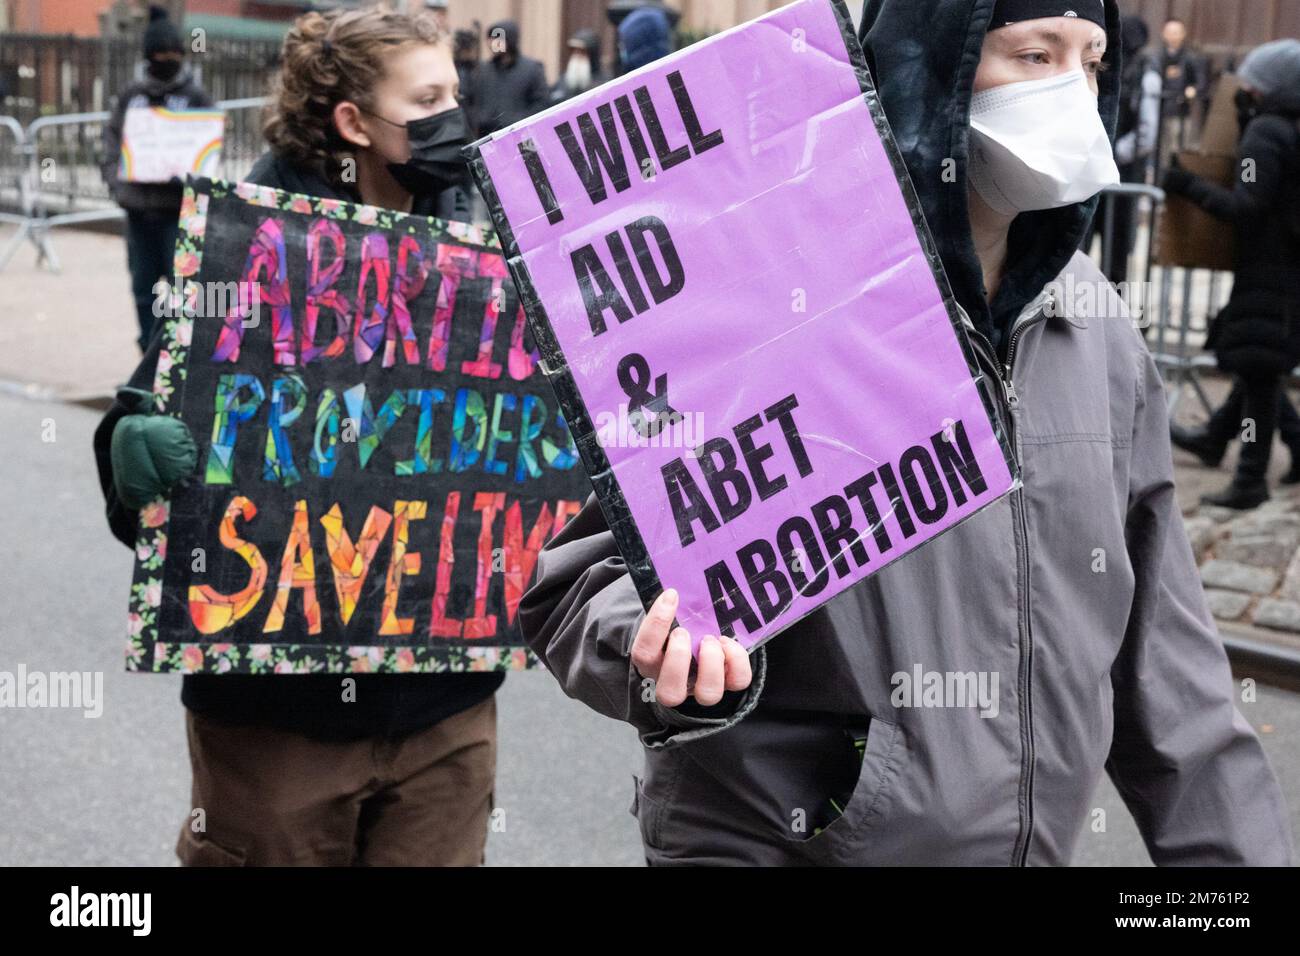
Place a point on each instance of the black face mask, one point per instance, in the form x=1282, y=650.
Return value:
x=164, y=69
x=435, y=163
x=1247, y=107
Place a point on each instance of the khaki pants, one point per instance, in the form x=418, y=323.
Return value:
x=275, y=798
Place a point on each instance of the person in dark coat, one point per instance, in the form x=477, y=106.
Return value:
x=151, y=209
x=509, y=86
x=287, y=770
x=583, y=71
x=465, y=43
x=1257, y=335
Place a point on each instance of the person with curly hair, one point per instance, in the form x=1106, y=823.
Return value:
x=286, y=771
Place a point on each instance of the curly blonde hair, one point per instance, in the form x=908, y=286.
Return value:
x=328, y=58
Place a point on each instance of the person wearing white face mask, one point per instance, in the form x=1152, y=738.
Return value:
x=1037, y=140
x=1039, y=144
x=583, y=71
x=1077, y=593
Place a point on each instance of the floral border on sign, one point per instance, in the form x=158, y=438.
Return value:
x=144, y=652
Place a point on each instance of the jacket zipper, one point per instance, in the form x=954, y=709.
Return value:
x=1036, y=312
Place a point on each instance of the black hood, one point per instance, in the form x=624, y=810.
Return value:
x=923, y=55
x=1136, y=35
x=509, y=33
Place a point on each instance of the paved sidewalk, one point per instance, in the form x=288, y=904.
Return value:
x=1250, y=561
x=69, y=335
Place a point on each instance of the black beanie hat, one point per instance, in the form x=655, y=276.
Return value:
x=1008, y=12
x=160, y=36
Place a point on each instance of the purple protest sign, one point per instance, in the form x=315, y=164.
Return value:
x=726, y=270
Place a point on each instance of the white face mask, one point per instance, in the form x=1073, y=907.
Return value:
x=577, y=75
x=1039, y=145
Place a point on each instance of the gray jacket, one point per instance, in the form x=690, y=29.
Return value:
x=1079, y=592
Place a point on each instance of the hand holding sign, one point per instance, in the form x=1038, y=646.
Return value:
x=665, y=658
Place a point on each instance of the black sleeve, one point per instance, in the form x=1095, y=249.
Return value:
x=1259, y=178
x=112, y=140
x=539, y=93
x=199, y=98
x=1200, y=78
x=124, y=522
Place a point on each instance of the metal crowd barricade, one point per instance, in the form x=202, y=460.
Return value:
x=15, y=189
x=59, y=180
x=1176, y=304
x=243, y=141
x=1189, y=301
x=1131, y=194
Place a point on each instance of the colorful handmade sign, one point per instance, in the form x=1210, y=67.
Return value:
x=380, y=459
x=159, y=145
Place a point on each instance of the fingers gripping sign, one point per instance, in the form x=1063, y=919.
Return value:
x=662, y=653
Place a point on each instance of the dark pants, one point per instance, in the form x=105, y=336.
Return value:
x=150, y=245
x=1259, y=397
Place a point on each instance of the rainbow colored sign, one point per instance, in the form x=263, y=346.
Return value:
x=380, y=458
x=159, y=145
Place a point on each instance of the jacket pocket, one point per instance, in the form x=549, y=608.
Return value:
x=869, y=795
x=648, y=810
x=645, y=812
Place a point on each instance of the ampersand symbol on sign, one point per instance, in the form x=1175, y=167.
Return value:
x=634, y=379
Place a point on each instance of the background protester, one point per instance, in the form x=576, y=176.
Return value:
x=1185, y=83
x=1135, y=142
x=151, y=209
x=582, y=70
x=1257, y=335
x=288, y=771
x=1209, y=442
x=1121, y=672
x=644, y=36
x=465, y=51
x=507, y=87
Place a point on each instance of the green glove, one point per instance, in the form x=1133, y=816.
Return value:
x=150, y=454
